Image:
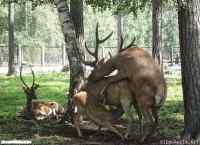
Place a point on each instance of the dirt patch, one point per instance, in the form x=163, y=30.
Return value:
x=53, y=133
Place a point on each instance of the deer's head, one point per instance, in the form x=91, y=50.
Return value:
x=30, y=91
x=96, y=64
x=103, y=67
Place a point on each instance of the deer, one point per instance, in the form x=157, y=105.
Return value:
x=118, y=95
x=29, y=91
x=45, y=110
x=38, y=109
x=145, y=79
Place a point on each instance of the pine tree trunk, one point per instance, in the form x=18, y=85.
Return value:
x=189, y=35
x=11, y=44
x=72, y=49
x=156, y=28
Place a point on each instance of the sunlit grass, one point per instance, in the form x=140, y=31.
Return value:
x=172, y=114
x=53, y=86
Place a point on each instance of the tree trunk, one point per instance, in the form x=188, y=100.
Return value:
x=189, y=35
x=119, y=30
x=11, y=44
x=73, y=51
x=156, y=28
x=76, y=11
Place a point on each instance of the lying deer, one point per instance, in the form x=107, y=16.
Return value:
x=36, y=109
x=146, y=80
x=45, y=110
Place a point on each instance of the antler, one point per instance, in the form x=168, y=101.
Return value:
x=95, y=53
x=128, y=46
x=33, y=75
x=22, y=77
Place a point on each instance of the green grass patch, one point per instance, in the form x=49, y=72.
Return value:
x=53, y=86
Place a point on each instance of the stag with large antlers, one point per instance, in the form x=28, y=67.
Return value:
x=29, y=91
x=118, y=94
x=146, y=80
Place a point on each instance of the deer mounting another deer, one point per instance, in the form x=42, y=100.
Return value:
x=145, y=80
x=145, y=83
x=117, y=94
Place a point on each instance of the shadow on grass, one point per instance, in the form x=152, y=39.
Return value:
x=171, y=118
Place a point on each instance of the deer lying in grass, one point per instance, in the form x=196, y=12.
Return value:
x=36, y=109
x=145, y=80
x=42, y=110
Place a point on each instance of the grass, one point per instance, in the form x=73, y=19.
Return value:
x=172, y=114
x=53, y=86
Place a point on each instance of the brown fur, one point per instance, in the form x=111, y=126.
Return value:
x=84, y=105
x=87, y=102
x=45, y=110
x=146, y=81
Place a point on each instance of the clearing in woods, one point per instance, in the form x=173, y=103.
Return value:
x=53, y=87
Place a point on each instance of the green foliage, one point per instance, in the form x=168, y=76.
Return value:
x=126, y=6
x=3, y=24
x=12, y=97
x=40, y=27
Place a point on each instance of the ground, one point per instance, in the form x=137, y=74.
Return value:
x=53, y=87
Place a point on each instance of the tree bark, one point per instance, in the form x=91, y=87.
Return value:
x=76, y=11
x=156, y=28
x=189, y=35
x=119, y=29
x=11, y=43
x=73, y=52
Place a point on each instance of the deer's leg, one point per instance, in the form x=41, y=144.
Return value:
x=148, y=120
x=156, y=120
x=100, y=121
x=137, y=109
x=126, y=103
x=77, y=121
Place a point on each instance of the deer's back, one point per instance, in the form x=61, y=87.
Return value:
x=117, y=91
